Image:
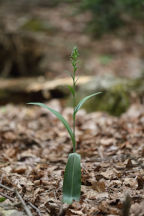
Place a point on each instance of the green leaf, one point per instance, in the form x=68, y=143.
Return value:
x=77, y=108
x=2, y=199
x=60, y=117
x=71, y=89
x=72, y=179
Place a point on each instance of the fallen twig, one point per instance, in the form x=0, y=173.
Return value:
x=10, y=198
x=27, y=210
x=7, y=196
x=7, y=188
x=21, y=200
x=34, y=207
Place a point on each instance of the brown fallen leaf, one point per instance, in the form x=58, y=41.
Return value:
x=129, y=164
x=20, y=169
x=140, y=182
x=109, y=174
x=76, y=212
x=92, y=194
x=99, y=186
x=137, y=209
x=130, y=182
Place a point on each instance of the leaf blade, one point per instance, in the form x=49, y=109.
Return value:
x=72, y=179
x=59, y=116
x=77, y=108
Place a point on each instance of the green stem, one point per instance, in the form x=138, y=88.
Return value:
x=74, y=57
x=74, y=117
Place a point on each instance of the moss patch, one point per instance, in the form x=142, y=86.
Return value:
x=37, y=25
x=117, y=95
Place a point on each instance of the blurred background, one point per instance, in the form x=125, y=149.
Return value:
x=37, y=37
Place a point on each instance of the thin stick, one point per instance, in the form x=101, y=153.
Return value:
x=20, y=198
x=7, y=188
x=34, y=207
x=27, y=210
x=6, y=196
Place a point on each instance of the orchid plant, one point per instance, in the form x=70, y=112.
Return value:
x=72, y=175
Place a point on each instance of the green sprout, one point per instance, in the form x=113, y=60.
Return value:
x=72, y=175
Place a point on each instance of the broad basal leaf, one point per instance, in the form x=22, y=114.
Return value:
x=72, y=179
x=60, y=117
x=84, y=100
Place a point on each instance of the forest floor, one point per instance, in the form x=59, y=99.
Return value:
x=35, y=148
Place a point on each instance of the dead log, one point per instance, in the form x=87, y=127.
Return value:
x=22, y=90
